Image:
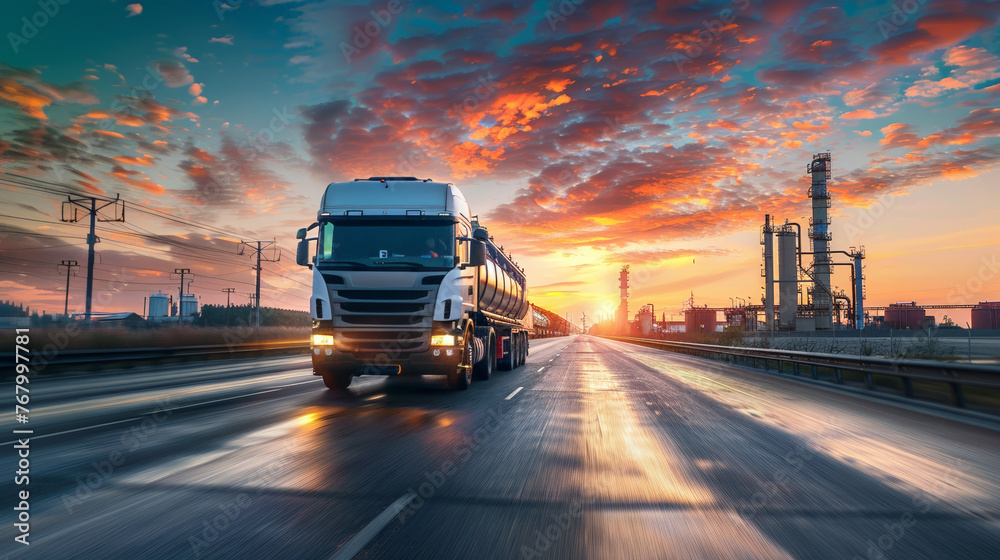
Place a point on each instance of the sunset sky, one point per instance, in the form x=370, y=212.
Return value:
x=585, y=134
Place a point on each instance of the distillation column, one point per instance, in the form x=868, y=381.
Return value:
x=819, y=232
x=767, y=235
x=623, y=303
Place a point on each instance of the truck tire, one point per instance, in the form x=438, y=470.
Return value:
x=337, y=381
x=484, y=369
x=522, y=349
x=461, y=378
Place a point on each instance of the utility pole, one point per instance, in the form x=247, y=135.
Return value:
x=229, y=292
x=90, y=205
x=180, y=297
x=69, y=268
x=252, y=299
x=261, y=246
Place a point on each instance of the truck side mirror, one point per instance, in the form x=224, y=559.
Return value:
x=301, y=234
x=302, y=251
x=477, y=256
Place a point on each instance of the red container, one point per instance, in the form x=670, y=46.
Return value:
x=694, y=319
x=905, y=316
x=986, y=315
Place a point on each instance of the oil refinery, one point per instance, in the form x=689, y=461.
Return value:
x=798, y=292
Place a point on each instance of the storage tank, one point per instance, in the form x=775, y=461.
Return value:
x=646, y=320
x=986, y=315
x=905, y=316
x=501, y=284
x=157, y=307
x=788, y=290
x=189, y=305
x=695, y=318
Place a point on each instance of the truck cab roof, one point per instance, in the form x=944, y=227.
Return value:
x=394, y=196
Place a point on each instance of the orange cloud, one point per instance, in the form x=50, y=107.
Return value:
x=146, y=159
x=25, y=99
x=558, y=85
x=859, y=114
x=469, y=158
x=932, y=32
x=809, y=126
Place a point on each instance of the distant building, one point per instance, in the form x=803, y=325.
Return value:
x=126, y=319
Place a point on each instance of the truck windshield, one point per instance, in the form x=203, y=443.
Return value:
x=387, y=243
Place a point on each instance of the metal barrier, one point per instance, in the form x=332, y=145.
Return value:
x=122, y=356
x=956, y=376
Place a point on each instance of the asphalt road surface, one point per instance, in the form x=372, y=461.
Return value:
x=594, y=449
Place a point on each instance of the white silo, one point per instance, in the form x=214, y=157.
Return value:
x=157, y=307
x=189, y=305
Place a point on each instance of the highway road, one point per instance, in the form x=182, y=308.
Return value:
x=594, y=449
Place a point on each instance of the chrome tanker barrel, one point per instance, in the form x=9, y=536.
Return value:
x=502, y=287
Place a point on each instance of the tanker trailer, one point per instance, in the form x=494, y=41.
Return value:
x=407, y=282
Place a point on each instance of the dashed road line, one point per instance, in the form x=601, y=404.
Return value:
x=516, y=391
x=360, y=540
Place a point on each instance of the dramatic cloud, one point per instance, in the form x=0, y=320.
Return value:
x=174, y=73
x=608, y=133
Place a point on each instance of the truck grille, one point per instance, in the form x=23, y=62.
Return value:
x=382, y=323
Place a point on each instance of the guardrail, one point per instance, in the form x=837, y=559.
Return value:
x=121, y=356
x=916, y=379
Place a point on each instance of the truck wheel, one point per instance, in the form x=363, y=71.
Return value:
x=522, y=350
x=484, y=369
x=337, y=381
x=515, y=354
x=461, y=378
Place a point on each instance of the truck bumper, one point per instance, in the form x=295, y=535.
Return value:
x=327, y=358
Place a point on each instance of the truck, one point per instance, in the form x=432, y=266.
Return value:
x=407, y=282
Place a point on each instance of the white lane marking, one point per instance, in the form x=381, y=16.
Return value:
x=516, y=391
x=540, y=369
x=299, y=383
x=366, y=535
x=144, y=416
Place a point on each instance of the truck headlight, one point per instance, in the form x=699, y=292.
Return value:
x=443, y=340
x=322, y=340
